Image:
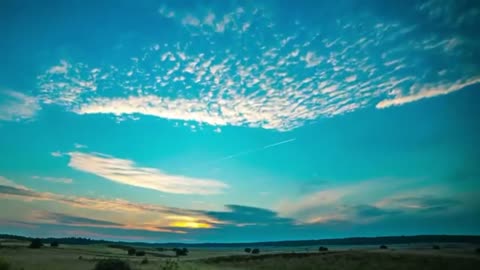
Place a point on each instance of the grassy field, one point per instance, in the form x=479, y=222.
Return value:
x=72, y=257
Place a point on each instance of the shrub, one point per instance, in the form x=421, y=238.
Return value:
x=140, y=253
x=436, y=247
x=144, y=261
x=36, y=243
x=181, y=251
x=170, y=265
x=322, y=249
x=132, y=251
x=80, y=257
x=383, y=247
x=477, y=250
x=4, y=265
x=54, y=244
x=248, y=250
x=112, y=264
x=255, y=251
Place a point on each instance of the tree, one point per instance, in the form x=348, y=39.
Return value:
x=132, y=251
x=248, y=250
x=255, y=251
x=54, y=244
x=436, y=247
x=140, y=253
x=112, y=264
x=181, y=251
x=322, y=249
x=383, y=247
x=36, y=243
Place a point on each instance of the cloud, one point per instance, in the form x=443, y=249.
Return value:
x=423, y=203
x=61, y=180
x=66, y=219
x=286, y=82
x=132, y=215
x=127, y=172
x=428, y=91
x=79, y=146
x=16, y=106
x=56, y=154
x=240, y=215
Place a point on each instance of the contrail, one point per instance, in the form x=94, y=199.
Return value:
x=279, y=143
x=255, y=150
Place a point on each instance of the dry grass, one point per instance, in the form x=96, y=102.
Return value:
x=19, y=257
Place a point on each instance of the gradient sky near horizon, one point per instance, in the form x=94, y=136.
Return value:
x=228, y=121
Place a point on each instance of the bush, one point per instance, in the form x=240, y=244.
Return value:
x=181, y=251
x=248, y=250
x=436, y=247
x=80, y=257
x=140, y=253
x=112, y=264
x=36, y=243
x=4, y=265
x=144, y=261
x=132, y=251
x=383, y=247
x=477, y=250
x=255, y=251
x=169, y=265
x=54, y=244
x=322, y=249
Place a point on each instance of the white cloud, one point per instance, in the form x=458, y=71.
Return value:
x=16, y=106
x=191, y=20
x=281, y=84
x=427, y=91
x=79, y=146
x=351, y=78
x=56, y=154
x=61, y=180
x=312, y=59
x=127, y=172
x=62, y=68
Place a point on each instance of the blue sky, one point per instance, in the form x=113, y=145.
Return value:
x=219, y=121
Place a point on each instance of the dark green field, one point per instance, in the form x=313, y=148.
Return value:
x=15, y=255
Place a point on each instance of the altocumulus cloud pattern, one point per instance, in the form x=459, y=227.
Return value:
x=245, y=66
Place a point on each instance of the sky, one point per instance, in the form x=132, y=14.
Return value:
x=234, y=121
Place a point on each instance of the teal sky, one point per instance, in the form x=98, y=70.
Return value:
x=220, y=121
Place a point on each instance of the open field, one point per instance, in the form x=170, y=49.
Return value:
x=73, y=257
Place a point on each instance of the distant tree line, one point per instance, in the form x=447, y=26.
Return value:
x=324, y=242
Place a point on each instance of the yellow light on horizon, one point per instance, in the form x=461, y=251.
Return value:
x=191, y=224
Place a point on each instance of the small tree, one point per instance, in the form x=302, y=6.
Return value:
x=132, y=251
x=477, y=250
x=436, y=247
x=181, y=251
x=36, y=243
x=383, y=247
x=4, y=265
x=112, y=264
x=54, y=244
x=248, y=250
x=322, y=249
x=255, y=251
x=140, y=253
x=144, y=261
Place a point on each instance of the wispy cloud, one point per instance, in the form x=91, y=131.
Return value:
x=127, y=172
x=17, y=106
x=79, y=146
x=428, y=91
x=61, y=180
